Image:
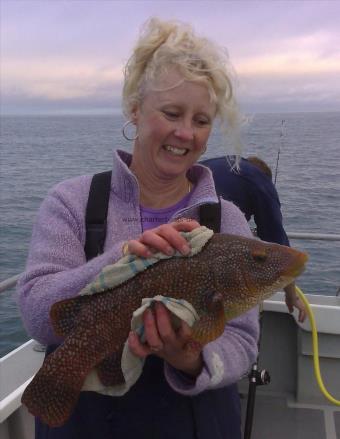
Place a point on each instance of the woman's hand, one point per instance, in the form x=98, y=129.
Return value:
x=162, y=340
x=165, y=238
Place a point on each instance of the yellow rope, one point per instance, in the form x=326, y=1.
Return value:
x=316, y=349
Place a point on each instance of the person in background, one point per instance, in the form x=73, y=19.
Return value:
x=251, y=188
x=176, y=85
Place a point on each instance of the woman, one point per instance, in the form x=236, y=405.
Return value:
x=175, y=85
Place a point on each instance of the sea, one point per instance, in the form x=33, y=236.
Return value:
x=303, y=150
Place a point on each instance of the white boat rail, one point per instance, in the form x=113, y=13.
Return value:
x=314, y=236
x=11, y=281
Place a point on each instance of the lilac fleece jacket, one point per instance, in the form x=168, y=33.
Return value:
x=57, y=268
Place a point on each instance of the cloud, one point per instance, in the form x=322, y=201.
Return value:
x=59, y=79
x=283, y=55
x=309, y=54
x=297, y=73
x=289, y=93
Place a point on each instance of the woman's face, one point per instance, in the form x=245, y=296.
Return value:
x=173, y=126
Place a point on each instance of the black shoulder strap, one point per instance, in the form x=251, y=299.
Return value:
x=96, y=214
x=210, y=216
x=97, y=207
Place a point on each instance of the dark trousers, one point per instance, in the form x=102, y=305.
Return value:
x=151, y=410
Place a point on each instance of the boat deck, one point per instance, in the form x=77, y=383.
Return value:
x=281, y=418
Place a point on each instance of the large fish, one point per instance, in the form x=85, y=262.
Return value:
x=229, y=276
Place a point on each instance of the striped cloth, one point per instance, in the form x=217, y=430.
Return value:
x=128, y=266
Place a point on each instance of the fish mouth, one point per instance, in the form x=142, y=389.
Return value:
x=297, y=264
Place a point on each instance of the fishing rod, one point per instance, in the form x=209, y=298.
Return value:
x=279, y=149
x=256, y=376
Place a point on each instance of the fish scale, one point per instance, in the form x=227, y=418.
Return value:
x=229, y=276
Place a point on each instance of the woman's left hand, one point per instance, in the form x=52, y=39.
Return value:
x=162, y=340
x=165, y=238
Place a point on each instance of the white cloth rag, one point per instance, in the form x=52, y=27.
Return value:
x=131, y=365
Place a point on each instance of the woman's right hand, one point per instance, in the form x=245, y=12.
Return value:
x=165, y=238
x=174, y=346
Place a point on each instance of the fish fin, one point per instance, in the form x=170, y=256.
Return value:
x=63, y=315
x=110, y=370
x=54, y=391
x=211, y=324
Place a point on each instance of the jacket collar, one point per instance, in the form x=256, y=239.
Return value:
x=125, y=185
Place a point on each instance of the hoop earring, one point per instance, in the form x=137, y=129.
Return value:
x=204, y=149
x=130, y=139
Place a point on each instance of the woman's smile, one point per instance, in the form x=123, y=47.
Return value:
x=176, y=151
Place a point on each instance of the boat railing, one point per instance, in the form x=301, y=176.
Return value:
x=11, y=281
x=314, y=236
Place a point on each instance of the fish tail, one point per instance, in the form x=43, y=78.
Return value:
x=52, y=394
x=54, y=391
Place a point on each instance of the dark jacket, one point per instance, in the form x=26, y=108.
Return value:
x=253, y=192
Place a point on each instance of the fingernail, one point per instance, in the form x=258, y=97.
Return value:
x=158, y=306
x=169, y=251
x=148, y=313
x=185, y=250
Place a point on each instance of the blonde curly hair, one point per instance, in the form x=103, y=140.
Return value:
x=165, y=45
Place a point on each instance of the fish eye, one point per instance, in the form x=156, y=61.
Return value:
x=259, y=256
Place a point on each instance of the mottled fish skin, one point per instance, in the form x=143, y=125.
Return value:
x=229, y=276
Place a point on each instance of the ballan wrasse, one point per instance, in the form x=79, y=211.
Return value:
x=228, y=277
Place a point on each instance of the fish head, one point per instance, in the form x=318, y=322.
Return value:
x=248, y=271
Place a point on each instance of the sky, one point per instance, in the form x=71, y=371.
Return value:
x=67, y=56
